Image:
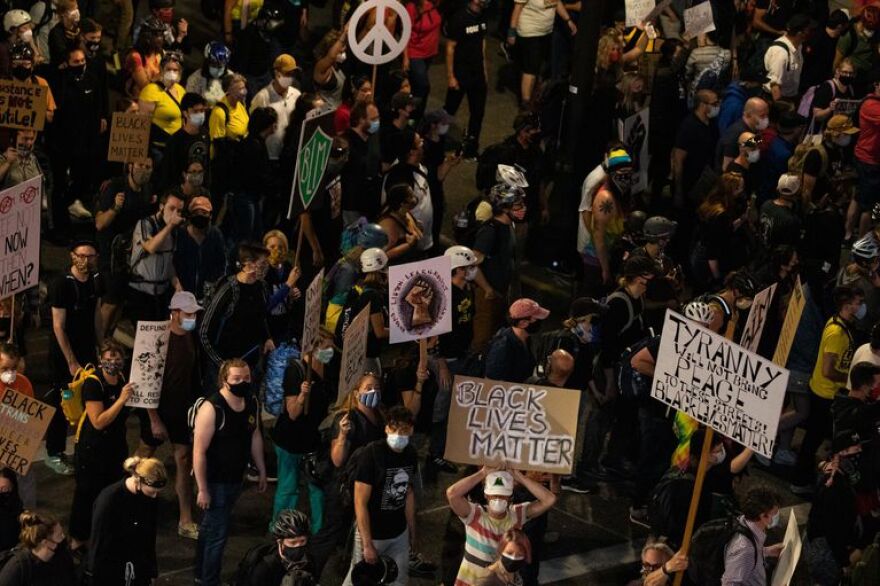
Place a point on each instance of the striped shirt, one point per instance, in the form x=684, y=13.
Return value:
x=483, y=535
x=740, y=566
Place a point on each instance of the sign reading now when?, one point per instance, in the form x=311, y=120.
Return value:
x=20, y=237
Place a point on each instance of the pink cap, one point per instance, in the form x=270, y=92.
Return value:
x=525, y=308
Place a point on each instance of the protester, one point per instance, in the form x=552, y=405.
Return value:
x=43, y=559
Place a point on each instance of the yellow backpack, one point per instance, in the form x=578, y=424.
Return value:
x=72, y=403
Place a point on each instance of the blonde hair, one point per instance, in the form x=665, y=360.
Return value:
x=227, y=366
x=721, y=197
x=350, y=401
x=628, y=102
x=150, y=470
x=275, y=234
x=607, y=43
x=35, y=528
x=329, y=39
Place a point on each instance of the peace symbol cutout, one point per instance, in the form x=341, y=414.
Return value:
x=370, y=48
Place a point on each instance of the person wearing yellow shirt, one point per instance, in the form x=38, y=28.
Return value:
x=829, y=375
x=161, y=99
x=229, y=117
x=236, y=17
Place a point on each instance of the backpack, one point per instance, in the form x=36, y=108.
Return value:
x=706, y=555
x=72, y=404
x=756, y=57
x=665, y=519
x=632, y=383
x=466, y=225
x=283, y=357
x=805, y=108
x=631, y=312
x=348, y=472
x=10, y=554
x=796, y=162
x=251, y=558
x=219, y=419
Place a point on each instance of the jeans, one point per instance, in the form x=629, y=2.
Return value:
x=397, y=548
x=440, y=414
x=213, y=532
x=421, y=83
x=818, y=428
x=287, y=491
x=474, y=87
x=334, y=532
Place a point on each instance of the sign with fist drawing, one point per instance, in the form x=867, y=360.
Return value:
x=420, y=298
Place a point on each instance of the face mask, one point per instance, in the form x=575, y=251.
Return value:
x=397, y=442
x=200, y=222
x=614, y=56
x=717, y=458
x=763, y=123
x=753, y=156
x=774, y=522
x=240, y=95
x=76, y=70
x=743, y=304
x=23, y=151
x=324, y=355
x=442, y=129
x=843, y=140
x=849, y=467
x=370, y=399
x=373, y=128
x=111, y=366
x=93, y=47
x=714, y=111
x=862, y=311
x=293, y=556
x=82, y=265
x=242, y=389
x=497, y=506
x=170, y=77
x=470, y=273
x=8, y=377
x=583, y=334
x=846, y=79
x=284, y=81
x=341, y=57
x=5, y=498
x=188, y=324
x=27, y=36
x=197, y=118
x=868, y=32
x=512, y=564
x=216, y=72
x=195, y=179
x=534, y=327
x=21, y=72
x=141, y=176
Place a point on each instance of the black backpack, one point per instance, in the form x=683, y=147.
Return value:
x=348, y=472
x=706, y=556
x=254, y=556
x=499, y=153
x=10, y=554
x=664, y=513
x=633, y=384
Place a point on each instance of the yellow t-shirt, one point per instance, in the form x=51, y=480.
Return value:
x=167, y=115
x=234, y=128
x=253, y=9
x=836, y=339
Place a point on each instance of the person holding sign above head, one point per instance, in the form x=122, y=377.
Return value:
x=11, y=363
x=485, y=525
x=100, y=444
x=509, y=357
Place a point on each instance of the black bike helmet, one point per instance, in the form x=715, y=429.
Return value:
x=291, y=523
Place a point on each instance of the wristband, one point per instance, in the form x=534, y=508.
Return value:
x=666, y=572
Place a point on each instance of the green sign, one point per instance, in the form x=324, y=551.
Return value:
x=312, y=162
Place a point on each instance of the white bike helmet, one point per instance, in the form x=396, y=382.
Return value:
x=865, y=249
x=461, y=256
x=373, y=259
x=15, y=18
x=512, y=175
x=700, y=312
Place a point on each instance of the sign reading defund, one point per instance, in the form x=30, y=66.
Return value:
x=525, y=426
x=719, y=383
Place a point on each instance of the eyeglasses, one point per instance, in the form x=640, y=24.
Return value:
x=648, y=568
x=85, y=256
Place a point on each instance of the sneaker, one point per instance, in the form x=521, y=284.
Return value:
x=576, y=485
x=444, y=465
x=801, y=489
x=188, y=531
x=785, y=457
x=418, y=566
x=59, y=465
x=470, y=150
x=253, y=475
x=79, y=211
x=639, y=516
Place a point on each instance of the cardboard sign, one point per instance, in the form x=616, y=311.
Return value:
x=698, y=20
x=791, y=553
x=796, y=304
x=148, y=363
x=313, y=152
x=129, y=137
x=758, y=313
x=20, y=237
x=378, y=45
x=848, y=107
x=420, y=299
x=23, y=423
x=637, y=10
x=312, y=321
x=719, y=383
x=22, y=104
x=634, y=134
x=525, y=426
x=354, y=352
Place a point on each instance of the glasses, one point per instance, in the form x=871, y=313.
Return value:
x=648, y=568
x=85, y=256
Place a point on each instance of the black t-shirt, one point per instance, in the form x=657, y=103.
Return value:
x=179, y=384
x=362, y=432
x=779, y=225
x=813, y=166
x=246, y=327
x=455, y=344
x=182, y=149
x=79, y=300
x=388, y=141
x=728, y=144
x=137, y=205
x=360, y=176
x=495, y=240
x=468, y=31
x=777, y=15
x=106, y=446
x=827, y=92
x=698, y=140
x=301, y=436
x=390, y=474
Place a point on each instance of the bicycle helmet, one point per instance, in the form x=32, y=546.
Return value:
x=21, y=52
x=504, y=196
x=372, y=236
x=373, y=259
x=384, y=571
x=635, y=222
x=865, y=249
x=15, y=18
x=461, y=256
x=743, y=283
x=217, y=52
x=700, y=312
x=658, y=228
x=641, y=265
x=512, y=175
x=291, y=523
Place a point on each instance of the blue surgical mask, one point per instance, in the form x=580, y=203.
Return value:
x=216, y=72
x=584, y=334
x=324, y=355
x=397, y=442
x=374, y=126
x=188, y=324
x=370, y=398
x=862, y=311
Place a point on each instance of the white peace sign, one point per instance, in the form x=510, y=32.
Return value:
x=378, y=37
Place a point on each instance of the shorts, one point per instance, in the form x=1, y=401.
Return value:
x=533, y=53
x=146, y=431
x=178, y=429
x=869, y=185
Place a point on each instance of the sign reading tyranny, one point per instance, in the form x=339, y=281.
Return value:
x=525, y=426
x=719, y=383
x=23, y=423
x=148, y=363
x=22, y=104
x=20, y=237
x=315, y=144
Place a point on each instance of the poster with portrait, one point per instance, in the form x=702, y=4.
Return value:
x=633, y=132
x=420, y=299
x=148, y=363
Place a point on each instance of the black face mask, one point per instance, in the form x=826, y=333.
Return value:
x=849, y=467
x=242, y=389
x=76, y=70
x=200, y=222
x=294, y=556
x=534, y=327
x=20, y=72
x=93, y=47
x=511, y=565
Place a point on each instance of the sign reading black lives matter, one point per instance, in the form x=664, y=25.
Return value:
x=23, y=423
x=528, y=427
x=313, y=152
x=719, y=383
x=20, y=237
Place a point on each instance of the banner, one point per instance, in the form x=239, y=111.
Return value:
x=637, y=10
x=148, y=363
x=23, y=423
x=354, y=352
x=528, y=427
x=758, y=313
x=20, y=234
x=420, y=299
x=313, y=152
x=720, y=384
x=789, y=327
x=634, y=134
x=312, y=321
x=791, y=553
x=22, y=104
x=698, y=20
x=129, y=137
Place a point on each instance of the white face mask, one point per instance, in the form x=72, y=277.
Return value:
x=170, y=76
x=763, y=123
x=285, y=81
x=774, y=522
x=8, y=377
x=442, y=129
x=216, y=72
x=471, y=273
x=497, y=506
x=753, y=156
x=197, y=119
x=718, y=457
x=713, y=111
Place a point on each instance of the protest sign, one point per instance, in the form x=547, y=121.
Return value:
x=790, y=325
x=633, y=133
x=847, y=107
x=657, y=10
x=23, y=423
x=354, y=352
x=791, y=553
x=377, y=44
x=315, y=144
x=719, y=383
x=148, y=363
x=129, y=137
x=20, y=234
x=312, y=321
x=528, y=427
x=419, y=299
x=758, y=313
x=698, y=20
x=23, y=104
x=637, y=10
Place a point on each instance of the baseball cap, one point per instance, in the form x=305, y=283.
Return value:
x=586, y=306
x=525, y=308
x=788, y=184
x=285, y=63
x=841, y=123
x=185, y=301
x=200, y=203
x=499, y=484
